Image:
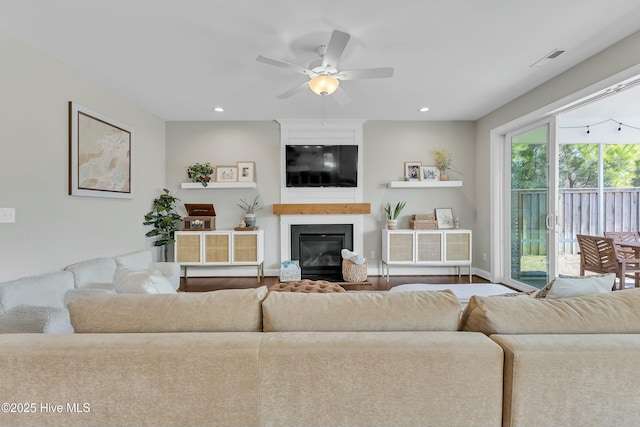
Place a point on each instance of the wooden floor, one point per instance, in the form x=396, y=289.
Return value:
x=375, y=283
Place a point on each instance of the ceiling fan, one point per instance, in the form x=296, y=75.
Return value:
x=324, y=75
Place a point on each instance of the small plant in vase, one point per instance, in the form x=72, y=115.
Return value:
x=249, y=210
x=200, y=172
x=392, y=214
x=443, y=162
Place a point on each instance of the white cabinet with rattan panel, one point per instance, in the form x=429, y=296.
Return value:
x=220, y=249
x=429, y=248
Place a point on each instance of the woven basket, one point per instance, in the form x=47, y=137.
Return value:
x=354, y=272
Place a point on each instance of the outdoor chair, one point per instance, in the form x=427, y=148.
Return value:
x=600, y=255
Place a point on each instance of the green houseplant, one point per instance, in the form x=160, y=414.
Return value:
x=249, y=210
x=443, y=162
x=200, y=172
x=392, y=214
x=163, y=218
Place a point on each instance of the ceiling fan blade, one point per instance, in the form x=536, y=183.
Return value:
x=293, y=90
x=336, y=46
x=341, y=96
x=288, y=66
x=365, y=73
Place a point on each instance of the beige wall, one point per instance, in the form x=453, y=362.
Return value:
x=53, y=229
x=387, y=145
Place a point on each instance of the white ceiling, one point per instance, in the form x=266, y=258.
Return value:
x=179, y=59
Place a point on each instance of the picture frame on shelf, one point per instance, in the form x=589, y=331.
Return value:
x=412, y=171
x=226, y=174
x=100, y=155
x=444, y=216
x=429, y=173
x=246, y=171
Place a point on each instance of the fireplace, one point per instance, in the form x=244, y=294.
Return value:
x=317, y=247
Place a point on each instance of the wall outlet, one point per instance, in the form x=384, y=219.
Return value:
x=373, y=254
x=7, y=215
x=484, y=256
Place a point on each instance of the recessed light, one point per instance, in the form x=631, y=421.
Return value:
x=424, y=109
x=218, y=109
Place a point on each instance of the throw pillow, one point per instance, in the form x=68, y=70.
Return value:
x=568, y=286
x=129, y=280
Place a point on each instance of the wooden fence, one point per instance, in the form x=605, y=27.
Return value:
x=578, y=214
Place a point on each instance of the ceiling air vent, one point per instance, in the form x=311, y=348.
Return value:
x=548, y=57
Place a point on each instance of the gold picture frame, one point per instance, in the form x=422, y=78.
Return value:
x=100, y=155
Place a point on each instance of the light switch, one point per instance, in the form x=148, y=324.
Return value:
x=7, y=215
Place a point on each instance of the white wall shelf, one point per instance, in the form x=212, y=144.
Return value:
x=424, y=184
x=216, y=185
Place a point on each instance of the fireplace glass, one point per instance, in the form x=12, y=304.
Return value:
x=318, y=247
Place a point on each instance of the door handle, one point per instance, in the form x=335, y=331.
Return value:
x=549, y=221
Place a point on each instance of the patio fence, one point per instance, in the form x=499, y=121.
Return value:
x=578, y=214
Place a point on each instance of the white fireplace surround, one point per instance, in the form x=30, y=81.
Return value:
x=317, y=132
x=286, y=221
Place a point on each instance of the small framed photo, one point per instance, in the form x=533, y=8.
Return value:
x=429, y=173
x=246, y=171
x=226, y=173
x=412, y=171
x=444, y=216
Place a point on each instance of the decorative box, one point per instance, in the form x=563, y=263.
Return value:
x=290, y=270
x=202, y=217
x=423, y=224
x=423, y=216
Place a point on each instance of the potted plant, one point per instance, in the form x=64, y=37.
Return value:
x=249, y=210
x=443, y=162
x=200, y=172
x=392, y=215
x=163, y=218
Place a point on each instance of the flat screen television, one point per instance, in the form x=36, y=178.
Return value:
x=321, y=165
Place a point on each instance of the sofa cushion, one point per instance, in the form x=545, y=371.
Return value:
x=613, y=312
x=129, y=280
x=35, y=319
x=94, y=273
x=138, y=259
x=568, y=286
x=361, y=311
x=228, y=310
x=45, y=290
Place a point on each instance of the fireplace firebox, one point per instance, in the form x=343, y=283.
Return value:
x=317, y=247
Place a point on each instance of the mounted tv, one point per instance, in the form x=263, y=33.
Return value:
x=321, y=165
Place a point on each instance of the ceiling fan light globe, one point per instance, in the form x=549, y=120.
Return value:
x=324, y=85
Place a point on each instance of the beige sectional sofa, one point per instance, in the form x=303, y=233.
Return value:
x=253, y=358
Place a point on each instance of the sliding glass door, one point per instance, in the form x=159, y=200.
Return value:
x=532, y=165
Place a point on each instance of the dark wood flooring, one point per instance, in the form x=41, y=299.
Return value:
x=375, y=283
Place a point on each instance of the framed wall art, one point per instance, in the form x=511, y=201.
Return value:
x=246, y=171
x=429, y=173
x=100, y=155
x=444, y=216
x=226, y=173
x=412, y=171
